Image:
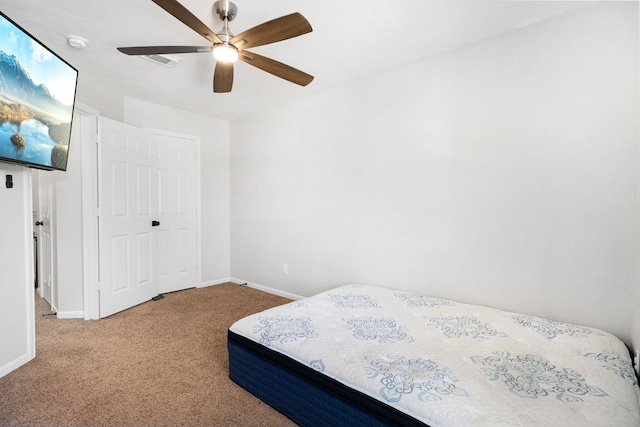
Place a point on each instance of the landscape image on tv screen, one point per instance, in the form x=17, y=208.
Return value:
x=37, y=93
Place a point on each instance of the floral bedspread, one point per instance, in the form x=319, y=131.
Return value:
x=450, y=364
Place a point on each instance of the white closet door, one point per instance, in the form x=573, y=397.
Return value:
x=177, y=212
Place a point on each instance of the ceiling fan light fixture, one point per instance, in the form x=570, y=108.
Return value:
x=225, y=52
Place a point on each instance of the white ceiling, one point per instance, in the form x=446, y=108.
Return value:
x=351, y=40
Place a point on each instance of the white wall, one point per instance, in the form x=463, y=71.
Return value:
x=500, y=174
x=17, y=330
x=69, y=280
x=635, y=338
x=214, y=176
x=106, y=99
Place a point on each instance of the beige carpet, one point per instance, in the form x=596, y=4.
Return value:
x=162, y=363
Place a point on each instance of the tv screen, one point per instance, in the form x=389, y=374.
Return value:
x=37, y=94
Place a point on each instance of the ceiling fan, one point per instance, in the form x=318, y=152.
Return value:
x=227, y=47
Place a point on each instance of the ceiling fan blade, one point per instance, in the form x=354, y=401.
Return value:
x=282, y=28
x=159, y=50
x=223, y=77
x=276, y=68
x=183, y=15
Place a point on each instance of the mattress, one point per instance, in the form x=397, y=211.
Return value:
x=364, y=355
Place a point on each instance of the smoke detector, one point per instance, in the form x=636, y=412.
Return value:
x=166, y=60
x=77, y=42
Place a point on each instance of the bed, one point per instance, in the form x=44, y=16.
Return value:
x=363, y=355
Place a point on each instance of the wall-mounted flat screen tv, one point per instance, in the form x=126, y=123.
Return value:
x=37, y=94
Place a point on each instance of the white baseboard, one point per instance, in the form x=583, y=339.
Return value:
x=214, y=282
x=15, y=364
x=70, y=314
x=266, y=289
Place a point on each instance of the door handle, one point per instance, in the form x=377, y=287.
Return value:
x=39, y=223
x=155, y=223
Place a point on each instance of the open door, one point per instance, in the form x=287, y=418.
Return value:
x=128, y=199
x=43, y=228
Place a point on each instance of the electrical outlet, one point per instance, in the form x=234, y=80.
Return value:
x=285, y=268
x=636, y=361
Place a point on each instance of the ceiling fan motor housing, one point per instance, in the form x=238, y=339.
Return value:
x=225, y=10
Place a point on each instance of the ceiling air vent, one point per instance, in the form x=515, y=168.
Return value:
x=166, y=60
